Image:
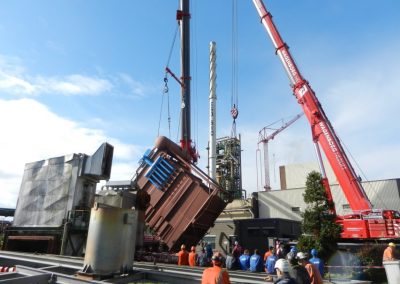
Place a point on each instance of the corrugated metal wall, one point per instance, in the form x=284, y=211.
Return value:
x=49, y=189
x=384, y=194
x=294, y=175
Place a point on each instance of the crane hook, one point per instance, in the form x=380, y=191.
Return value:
x=234, y=112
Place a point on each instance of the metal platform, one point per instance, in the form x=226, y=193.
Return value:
x=53, y=269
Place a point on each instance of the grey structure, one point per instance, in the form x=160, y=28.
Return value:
x=251, y=233
x=383, y=194
x=54, y=202
x=50, y=189
x=240, y=221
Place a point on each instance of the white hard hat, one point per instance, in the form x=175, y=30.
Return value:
x=301, y=255
x=282, y=265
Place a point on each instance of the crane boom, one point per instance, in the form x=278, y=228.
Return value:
x=322, y=129
x=183, y=15
x=263, y=137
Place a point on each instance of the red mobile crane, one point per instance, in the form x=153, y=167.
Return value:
x=365, y=222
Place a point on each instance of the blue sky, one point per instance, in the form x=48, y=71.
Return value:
x=74, y=74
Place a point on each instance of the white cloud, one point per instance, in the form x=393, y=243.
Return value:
x=73, y=85
x=31, y=132
x=15, y=84
x=14, y=79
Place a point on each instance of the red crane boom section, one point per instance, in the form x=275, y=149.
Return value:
x=322, y=129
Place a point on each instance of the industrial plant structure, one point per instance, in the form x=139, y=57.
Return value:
x=228, y=165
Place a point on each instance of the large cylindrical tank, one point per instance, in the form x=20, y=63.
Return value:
x=110, y=245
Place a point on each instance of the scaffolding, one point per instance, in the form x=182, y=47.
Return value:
x=228, y=165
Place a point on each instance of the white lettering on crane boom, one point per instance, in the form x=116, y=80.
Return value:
x=291, y=67
x=332, y=145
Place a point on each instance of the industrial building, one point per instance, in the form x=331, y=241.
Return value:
x=288, y=202
x=276, y=214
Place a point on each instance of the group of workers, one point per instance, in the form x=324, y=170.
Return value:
x=283, y=268
x=211, y=275
x=293, y=267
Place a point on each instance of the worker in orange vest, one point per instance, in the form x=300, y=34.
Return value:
x=312, y=270
x=192, y=256
x=215, y=274
x=268, y=253
x=183, y=256
x=388, y=254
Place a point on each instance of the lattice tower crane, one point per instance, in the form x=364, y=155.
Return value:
x=264, y=138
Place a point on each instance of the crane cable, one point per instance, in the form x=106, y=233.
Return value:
x=374, y=190
x=234, y=95
x=165, y=91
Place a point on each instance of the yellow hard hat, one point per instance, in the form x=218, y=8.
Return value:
x=392, y=244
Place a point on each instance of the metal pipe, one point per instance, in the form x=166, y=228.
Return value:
x=238, y=210
x=213, y=110
x=64, y=240
x=267, y=186
x=258, y=162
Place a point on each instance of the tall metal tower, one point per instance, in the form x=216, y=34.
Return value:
x=213, y=112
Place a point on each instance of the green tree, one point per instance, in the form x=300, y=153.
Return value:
x=319, y=228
